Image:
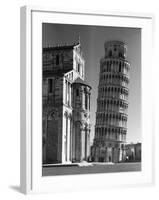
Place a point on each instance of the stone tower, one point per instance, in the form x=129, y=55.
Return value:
x=81, y=114
x=112, y=105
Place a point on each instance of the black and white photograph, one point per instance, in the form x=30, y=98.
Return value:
x=91, y=99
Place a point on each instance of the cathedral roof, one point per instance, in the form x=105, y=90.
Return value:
x=82, y=82
x=61, y=47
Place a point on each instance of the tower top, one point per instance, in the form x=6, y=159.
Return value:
x=115, y=42
x=115, y=48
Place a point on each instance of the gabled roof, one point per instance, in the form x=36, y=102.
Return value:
x=82, y=82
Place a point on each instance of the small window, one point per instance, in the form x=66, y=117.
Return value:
x=77, y=92
x=120, y=67
x=57, y=59
x=78, y=68
x=50, y=85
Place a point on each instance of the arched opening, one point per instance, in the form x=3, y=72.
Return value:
x=120, y=54
x=120, y=67
x=110, y=53
x=57, y=59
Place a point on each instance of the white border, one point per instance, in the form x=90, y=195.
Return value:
x=31, y=101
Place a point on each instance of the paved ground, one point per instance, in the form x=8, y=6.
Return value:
x=95, y=168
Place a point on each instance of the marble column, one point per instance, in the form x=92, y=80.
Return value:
x=71, y=148
x=68, y=139
x=86, y=139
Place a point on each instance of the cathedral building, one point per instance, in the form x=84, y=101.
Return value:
x=66, y=105
x=112, y=105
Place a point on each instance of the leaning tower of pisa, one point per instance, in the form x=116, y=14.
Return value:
x=112, y=104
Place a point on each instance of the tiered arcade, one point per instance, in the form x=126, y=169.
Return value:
x=112, y=105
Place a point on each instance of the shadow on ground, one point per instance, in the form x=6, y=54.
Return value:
x=15, y=187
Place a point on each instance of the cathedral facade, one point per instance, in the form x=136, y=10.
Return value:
x=66, y=105
x=112, y=105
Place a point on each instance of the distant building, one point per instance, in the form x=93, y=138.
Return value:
x=133, y=152
x=112, y=105
x=138, y=151
x=66, y=105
